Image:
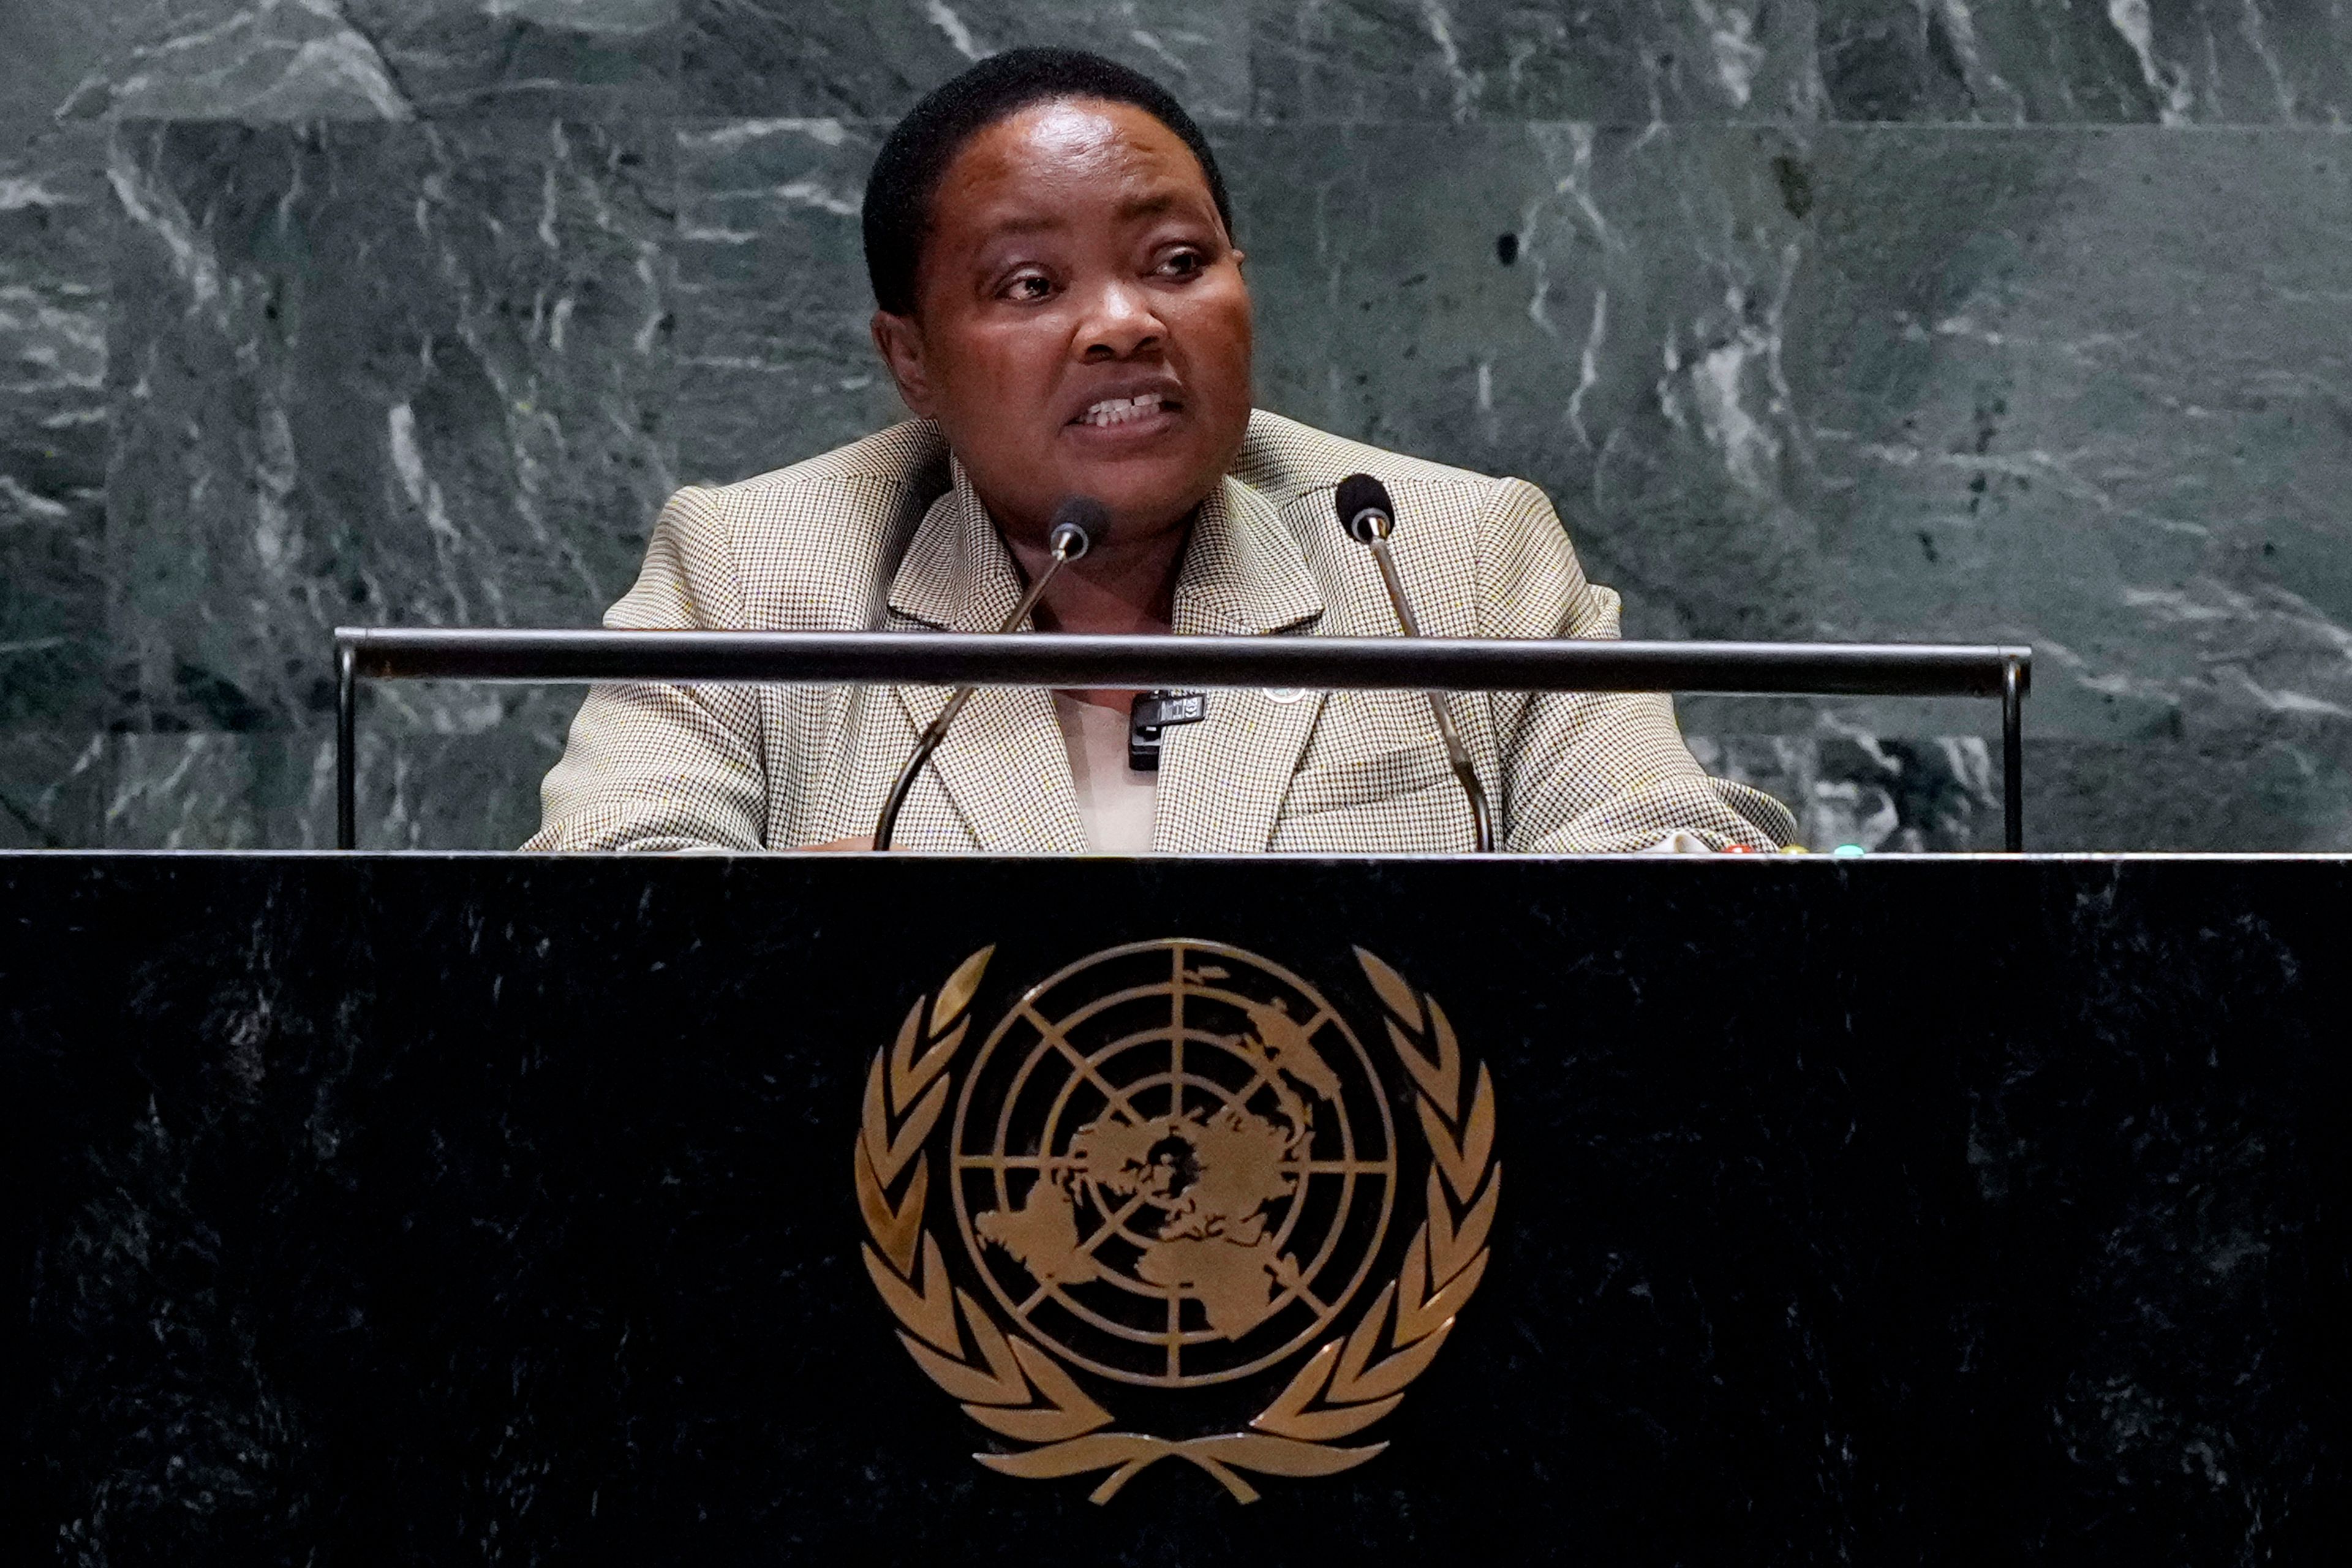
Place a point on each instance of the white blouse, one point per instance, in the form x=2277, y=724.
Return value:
x=1115, y=801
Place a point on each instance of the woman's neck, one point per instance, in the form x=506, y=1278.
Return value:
x=1118, y=588
x=1122, y=586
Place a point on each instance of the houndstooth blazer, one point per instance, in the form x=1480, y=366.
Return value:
x=887, y=534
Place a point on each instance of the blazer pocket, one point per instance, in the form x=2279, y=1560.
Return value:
x=1349, y=786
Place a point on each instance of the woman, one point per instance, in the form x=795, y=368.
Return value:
x=1061, y=304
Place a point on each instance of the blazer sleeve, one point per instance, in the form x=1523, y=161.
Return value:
x=662, y=767
x=1587, y=773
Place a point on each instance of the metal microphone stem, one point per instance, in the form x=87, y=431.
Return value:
x=936, y=730
x=1481, y=815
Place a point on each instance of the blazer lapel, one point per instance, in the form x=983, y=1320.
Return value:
x=1224, y=780
x=1003, y=765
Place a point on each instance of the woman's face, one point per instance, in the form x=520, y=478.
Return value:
x=1081, y=325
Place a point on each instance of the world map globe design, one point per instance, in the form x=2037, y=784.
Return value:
x=1174, y=1163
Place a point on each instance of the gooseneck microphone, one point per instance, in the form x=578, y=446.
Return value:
x=1370, y=518
x=1077, y=524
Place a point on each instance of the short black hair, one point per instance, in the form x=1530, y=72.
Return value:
x=907, y=173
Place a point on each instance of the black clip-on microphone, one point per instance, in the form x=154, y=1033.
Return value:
x=1370, y=518
x=1077, y=524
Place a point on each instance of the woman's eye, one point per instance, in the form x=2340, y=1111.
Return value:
x=1183, y=264
x=1028, y=286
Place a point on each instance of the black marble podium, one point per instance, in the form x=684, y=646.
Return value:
x=453, y=1209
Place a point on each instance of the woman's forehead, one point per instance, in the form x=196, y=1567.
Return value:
x=1050, y=151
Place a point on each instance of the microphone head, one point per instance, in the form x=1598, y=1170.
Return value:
x=1077, y=524
x=1365, y=509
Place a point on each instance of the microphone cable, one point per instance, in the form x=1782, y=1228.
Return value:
x=1370, y=518
x=1077, y=524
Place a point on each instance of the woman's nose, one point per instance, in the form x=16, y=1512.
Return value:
x=1120, y=322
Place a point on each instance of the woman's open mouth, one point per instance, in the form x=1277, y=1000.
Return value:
x=1112, y=412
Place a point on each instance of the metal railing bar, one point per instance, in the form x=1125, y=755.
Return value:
x=940, y=658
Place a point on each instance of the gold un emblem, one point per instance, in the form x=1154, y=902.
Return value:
x=1172, y=1177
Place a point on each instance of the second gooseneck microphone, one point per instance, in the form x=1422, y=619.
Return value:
x=1370, y=518
x=1077, y=524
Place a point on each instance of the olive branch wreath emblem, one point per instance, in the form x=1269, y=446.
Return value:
x=1015, y=1388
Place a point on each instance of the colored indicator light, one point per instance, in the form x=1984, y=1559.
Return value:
x=1849, y=849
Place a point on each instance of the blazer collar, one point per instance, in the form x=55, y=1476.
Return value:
x=957, y=575
x=1243, y=571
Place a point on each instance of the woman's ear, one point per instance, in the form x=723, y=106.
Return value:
x=899, y=341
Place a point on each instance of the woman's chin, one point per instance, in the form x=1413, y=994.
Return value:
x=1146, y=488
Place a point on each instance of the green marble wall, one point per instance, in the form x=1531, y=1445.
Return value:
x=1841, y=318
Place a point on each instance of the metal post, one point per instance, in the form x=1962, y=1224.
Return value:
x=347, y=761
x=2012, y=756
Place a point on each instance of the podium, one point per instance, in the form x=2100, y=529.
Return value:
x=435, y=1208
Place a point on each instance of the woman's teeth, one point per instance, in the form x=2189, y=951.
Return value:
x=1119, y=410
